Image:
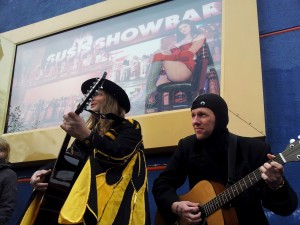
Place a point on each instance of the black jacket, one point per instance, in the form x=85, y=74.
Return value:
x=8, y=192
x=197, y=161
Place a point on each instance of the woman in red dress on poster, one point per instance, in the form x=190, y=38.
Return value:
x=175, y=62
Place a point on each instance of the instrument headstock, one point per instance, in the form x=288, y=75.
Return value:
x=94, y=89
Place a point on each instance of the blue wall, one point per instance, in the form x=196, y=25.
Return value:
x=279, y=30
x=280, y=58
x=16, y=14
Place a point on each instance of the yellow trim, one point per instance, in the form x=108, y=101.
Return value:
x=32, y=211
x=109, y=134
x=78, y=198
x=112, y=194
x=118, y=159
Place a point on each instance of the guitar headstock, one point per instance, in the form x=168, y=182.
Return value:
x=94, y=89
x=292, y=151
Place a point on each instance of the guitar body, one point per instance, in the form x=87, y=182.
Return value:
x=212, y=196
x=203, y=192
x=63, y=177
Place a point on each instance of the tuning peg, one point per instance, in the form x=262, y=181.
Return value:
x=292, y=141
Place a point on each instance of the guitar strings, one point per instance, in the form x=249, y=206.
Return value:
x=234, y=190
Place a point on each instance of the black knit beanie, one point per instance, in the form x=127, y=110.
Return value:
x=215, y=103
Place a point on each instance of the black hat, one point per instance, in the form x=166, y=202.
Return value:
x=215, y=103
x=112, y=88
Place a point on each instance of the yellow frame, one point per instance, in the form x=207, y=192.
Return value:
x=241, y=80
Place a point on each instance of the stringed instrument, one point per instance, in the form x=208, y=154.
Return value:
x=213, y=196
x=66, y=169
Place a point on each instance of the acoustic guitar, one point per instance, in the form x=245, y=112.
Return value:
x=213, y=196
x=66, y=169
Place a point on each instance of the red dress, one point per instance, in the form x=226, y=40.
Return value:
x=181, y=53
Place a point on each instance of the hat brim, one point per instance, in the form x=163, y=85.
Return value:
x=110, y=87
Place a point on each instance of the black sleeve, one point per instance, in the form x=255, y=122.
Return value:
x=8, y=195
x=118, y=142
x=125, y=141
x=165, y=186
x=283, y=201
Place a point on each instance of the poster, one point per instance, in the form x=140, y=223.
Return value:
x=163, y=56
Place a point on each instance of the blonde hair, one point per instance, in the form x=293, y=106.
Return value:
x=4, y=147
x=110, y=106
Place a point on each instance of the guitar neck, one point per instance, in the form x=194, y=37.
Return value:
x=236, y=189
x=63, y=149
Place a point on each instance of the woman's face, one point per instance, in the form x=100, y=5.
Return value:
x=184, y=28
x=98, y=101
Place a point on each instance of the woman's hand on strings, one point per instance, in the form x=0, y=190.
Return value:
x=37, y=180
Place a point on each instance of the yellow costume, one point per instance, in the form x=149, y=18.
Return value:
x=109, y=189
